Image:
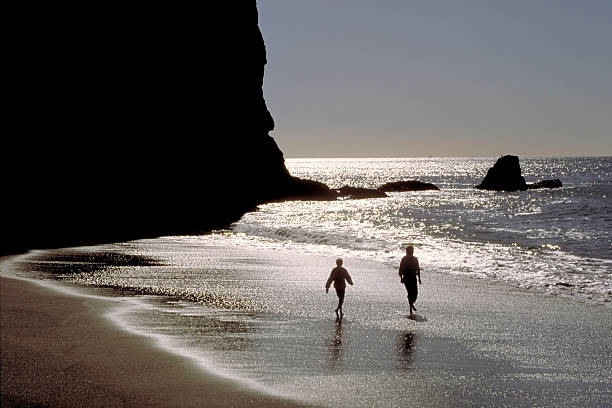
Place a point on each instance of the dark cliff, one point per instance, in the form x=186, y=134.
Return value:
x=137, y=122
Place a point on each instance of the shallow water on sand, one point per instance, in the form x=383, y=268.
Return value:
x=263, y=317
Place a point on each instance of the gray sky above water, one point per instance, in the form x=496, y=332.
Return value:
x=354, y=78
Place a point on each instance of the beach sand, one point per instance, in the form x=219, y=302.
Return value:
x=58, y=351
x=474, y=343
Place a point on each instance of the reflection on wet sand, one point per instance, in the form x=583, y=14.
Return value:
x=335, y=345
x=61, y=263
x=405, y=349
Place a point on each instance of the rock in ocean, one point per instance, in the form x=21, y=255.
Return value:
x=408, y=185
x=505, y=175
x=360, y=192
x=554, y=183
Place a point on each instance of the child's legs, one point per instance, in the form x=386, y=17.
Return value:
x=340, y=293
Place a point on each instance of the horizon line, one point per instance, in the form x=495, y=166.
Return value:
x=441, y=157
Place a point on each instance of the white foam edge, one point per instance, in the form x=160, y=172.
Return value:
x=120, y=305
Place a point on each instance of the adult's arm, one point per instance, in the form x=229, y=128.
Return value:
x=400, y=271
x=348, y=278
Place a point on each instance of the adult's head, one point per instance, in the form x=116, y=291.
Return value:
x=339, y=262
x=409, y=250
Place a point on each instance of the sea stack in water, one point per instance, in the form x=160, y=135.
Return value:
x=505, y=175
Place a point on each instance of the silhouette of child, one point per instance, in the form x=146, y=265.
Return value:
x=409, y=271
x=339, y=276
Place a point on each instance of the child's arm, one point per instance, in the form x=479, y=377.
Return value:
x=329, y=281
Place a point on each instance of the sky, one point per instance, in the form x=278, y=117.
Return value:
x=404, y=78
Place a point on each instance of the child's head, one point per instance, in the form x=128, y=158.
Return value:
x=410, y=250
x=339, y=262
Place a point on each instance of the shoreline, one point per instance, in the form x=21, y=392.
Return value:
x=478, y=343
x=59, y=349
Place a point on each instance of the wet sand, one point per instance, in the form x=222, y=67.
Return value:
x=474, y=343
x=58, y=351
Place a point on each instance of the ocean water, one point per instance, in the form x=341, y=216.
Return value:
x=249, y=303
x=556, y=240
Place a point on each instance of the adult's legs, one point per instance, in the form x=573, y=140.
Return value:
x=412, y=290
x=340, y=293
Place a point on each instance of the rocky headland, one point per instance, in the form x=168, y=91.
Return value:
x=138, y=122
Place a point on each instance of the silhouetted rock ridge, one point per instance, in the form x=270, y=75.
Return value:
x=554, y=183
x=408, y=185
x=138, y=121
x=349, y=192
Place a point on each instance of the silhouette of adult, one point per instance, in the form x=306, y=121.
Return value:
x=409, y=271
x=339, y=276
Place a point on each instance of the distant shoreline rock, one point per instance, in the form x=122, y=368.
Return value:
x=299, y=189
x=349, y=192
x=407, y=185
